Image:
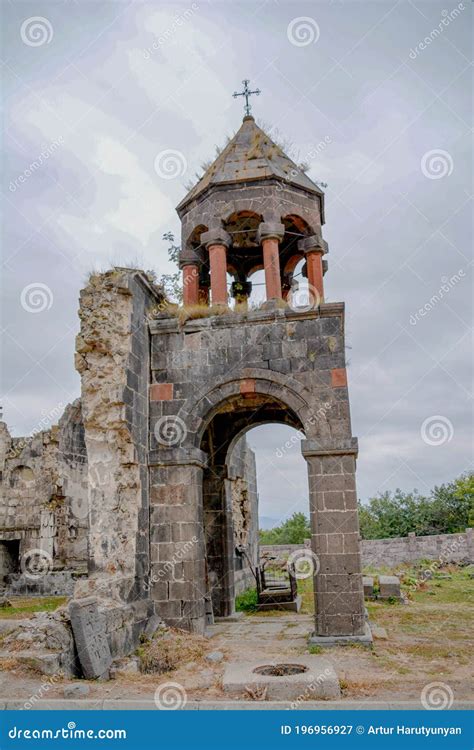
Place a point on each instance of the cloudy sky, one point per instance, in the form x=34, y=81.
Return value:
x=97, y=91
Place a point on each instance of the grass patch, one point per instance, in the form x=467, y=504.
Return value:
x=305, y=590
x=25, y=607
x=247, y=601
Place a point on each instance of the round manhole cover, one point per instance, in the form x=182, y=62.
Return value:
x=280, y=670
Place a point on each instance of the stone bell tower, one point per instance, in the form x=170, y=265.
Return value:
x=215, y=376
x=252, y=209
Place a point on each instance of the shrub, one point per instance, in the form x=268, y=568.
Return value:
x=246, y=601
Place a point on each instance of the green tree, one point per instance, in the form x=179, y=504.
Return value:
x=171, y=282
x=293, y=531
x=449, y=508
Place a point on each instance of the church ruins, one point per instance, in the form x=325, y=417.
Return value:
x=142, y=501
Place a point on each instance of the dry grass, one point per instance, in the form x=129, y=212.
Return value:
x=170, y=649
x=9, y=665
x=194, y=312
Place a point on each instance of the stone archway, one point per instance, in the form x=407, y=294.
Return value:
x=226, y=426
x=280, y=366
x=190, y=483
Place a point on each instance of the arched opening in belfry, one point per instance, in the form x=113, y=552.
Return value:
x=236, y=455
x=247, y=259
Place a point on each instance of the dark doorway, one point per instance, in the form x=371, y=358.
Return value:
x=9, y=557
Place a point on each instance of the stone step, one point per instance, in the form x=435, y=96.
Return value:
x=6, y=625
x=46, y=662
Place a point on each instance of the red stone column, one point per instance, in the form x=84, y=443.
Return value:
x=270, y=235
x=314, y=248
x=218, y=264
x=314, y=262
x=190, y=284
x=217, y=242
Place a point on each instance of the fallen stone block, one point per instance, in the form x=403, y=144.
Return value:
x=379, y=633
x=215, y=656
x=126, y=666
x=368, y=584
x=389, y=587
x=93, y=649
x=45, y=662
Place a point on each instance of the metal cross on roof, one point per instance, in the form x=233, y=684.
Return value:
x=246, y=92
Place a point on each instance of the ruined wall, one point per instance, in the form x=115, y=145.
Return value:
x=243, y=488
x=392, y=552
x=113, y=361
x=443, y=547
x=43, y=506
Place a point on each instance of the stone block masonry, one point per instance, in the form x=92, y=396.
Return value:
x=380, y=553
x=44, y=508
x=389, y=587
x=229, y=373
x=113, y=358
x=158, y=465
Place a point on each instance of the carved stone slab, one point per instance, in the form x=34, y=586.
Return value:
x=88, y=626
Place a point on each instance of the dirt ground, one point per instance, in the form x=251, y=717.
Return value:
x=430, y=639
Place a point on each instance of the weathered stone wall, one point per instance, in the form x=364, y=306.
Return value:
x=243, y=481
x=444, y=547
x=43, y=505
x=113, y=361
x=391, y=552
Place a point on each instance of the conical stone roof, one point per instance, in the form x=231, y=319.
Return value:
x=251, y=155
